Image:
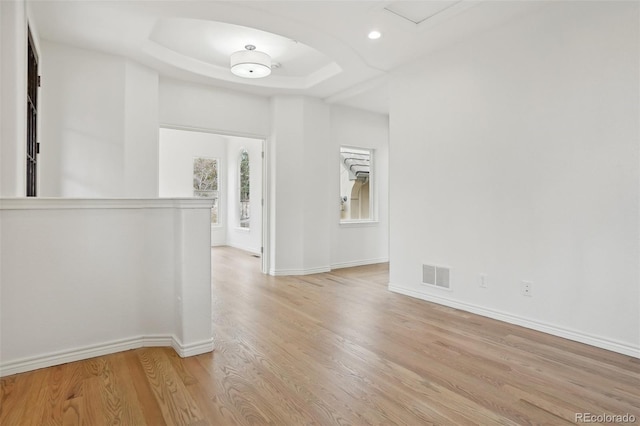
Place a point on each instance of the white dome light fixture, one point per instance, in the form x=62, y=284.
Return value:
x=250, y=63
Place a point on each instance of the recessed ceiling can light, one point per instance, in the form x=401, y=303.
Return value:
x=250, y=63
x=374, y=35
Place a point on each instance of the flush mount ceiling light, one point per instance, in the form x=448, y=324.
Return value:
x=250, y=63
x=374, y=35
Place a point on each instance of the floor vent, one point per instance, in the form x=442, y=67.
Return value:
x=437, y=276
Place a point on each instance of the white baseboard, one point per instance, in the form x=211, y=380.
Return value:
x=310, y=271
x=284, y=272
x=578, y=336
x=255, y=251
x=192, y=349
x=77, y=354
x=359, y=263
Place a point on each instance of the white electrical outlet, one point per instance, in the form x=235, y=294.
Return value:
x=527, y=288
x=483, y=281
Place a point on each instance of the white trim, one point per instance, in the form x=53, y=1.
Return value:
x=437, y=288
x=103, y=203
x=265, y=242
x=359, y=263
x=212, y=131
x=359, y=223
x=311, y=271
x=578, y=336
x=323, y=269
x=63, y=357
x=192, y=349
x=77, y=354
x=252, y=251
x=373, y=188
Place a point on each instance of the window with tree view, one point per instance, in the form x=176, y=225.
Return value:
x=205, y=182
x=355, y=185
x=245, y=190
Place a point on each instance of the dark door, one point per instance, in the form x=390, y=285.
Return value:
x=32, y=119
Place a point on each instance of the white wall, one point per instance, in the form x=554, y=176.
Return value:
x=285, y=156
x=248, y=239
x=82, y=278
x=515, y=154
x=312, y=185
x=304, y=138
x=13, y=89
x=82, y=123
x=359, y=243
x=299, y=151
x=184, y=104
x=98, y=125
x=177, y=149
x=99, y=134
x=2, y=107
x=199, y=107
x=140, y=131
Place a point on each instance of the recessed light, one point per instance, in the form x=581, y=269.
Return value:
x=374, y=35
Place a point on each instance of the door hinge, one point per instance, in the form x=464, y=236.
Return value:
x=262, y=201
x=263, y=155
x=39, y=81
x=37, y=147
x=261, y=250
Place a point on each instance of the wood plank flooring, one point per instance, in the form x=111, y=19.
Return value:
x=332, y=349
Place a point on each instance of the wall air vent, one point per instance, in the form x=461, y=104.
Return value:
x=429, y=274
x=437, y=276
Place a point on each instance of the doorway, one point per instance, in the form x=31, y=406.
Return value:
x=33, y=148
x=228, y=169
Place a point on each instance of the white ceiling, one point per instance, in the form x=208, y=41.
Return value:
x=321, y=46
x=214, y=42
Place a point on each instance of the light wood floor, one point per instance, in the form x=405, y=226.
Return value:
x=332, y=349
